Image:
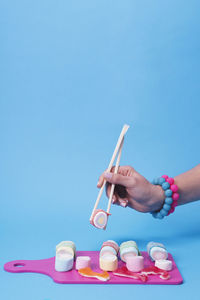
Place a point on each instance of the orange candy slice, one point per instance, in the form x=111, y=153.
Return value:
x=88, y=272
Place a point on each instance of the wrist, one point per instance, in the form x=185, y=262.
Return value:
x=157, y=198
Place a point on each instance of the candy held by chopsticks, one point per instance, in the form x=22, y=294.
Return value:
x=99, y=218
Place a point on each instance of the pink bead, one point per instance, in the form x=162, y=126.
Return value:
x=170, y=180
x=174, y=188
x=174, y=204
x=165, y=176
x=171, y=211
x=175, y=196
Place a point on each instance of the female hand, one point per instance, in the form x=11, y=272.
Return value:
x=132, y=189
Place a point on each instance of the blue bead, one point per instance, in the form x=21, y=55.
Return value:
x=165, y=186
x=163, y=212
x=168, y=193
x=161, y=180
x=155, y=180
x=166, y=207
x=168, y=200
x=154, y=214
x=159, y=216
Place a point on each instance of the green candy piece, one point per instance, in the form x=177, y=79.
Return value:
x=66, y=244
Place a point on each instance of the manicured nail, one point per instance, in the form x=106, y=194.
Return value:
x=113, y=199
x=107, y=175
x=123, y=203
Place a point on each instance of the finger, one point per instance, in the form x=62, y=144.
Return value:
x=100, y=181
x=124, y=170
x=118, y=179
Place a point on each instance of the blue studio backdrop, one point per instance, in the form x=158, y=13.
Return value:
x=71, y=74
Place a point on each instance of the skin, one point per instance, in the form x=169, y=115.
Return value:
x=135, y=191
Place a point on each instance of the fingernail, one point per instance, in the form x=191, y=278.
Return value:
x=107, y=175
x=123, y=203
x=98, y=183
x=113, y=200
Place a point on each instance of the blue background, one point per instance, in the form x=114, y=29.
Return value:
x=71, y=74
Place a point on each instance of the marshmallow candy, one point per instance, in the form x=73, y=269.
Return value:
x=128, y=249
x=108, y=262
x=156, y=251
x=82, y=262
x=67, y=246
x=99, y=219
x=63, y=261
x=109, y=247
x=65, y=253
x=107, y=250
x=164, y=264
x=135, y=263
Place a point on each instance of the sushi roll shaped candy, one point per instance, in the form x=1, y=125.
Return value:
x=156, y=251
x=99, y=219
x=65, y=254
x=68, y=246
x=108, y=260
x=109, y=247
x=128, y=249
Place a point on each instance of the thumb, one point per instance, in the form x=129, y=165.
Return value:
x=116, y=178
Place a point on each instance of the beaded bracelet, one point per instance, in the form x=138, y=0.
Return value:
x=171, y=196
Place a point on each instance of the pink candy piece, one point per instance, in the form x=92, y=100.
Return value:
x=165, y=176
x=174, y=188
x=135, y=263
x=82, y=262
x=170, y=180
x=175, y=196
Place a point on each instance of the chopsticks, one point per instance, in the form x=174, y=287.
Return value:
x=118, y=150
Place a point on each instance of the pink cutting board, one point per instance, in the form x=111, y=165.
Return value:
x=46, y=266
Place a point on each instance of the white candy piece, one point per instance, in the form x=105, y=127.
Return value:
x=63, y=261
x=158, y=253
x=108, y=250
x=100, y=219
x=108, y=262
x=164, y=264
x=126, y=252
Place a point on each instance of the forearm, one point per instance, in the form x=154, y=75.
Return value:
x=189, y=185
